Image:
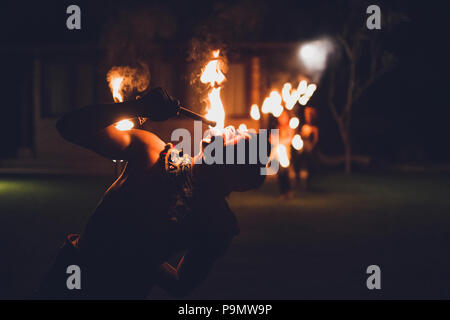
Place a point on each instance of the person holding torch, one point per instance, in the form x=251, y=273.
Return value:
x=164, y=203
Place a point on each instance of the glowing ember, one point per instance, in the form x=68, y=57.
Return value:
x=213, y=75
x=297, y=142
x=254, y=112
x=294, y=122
x=124, y=125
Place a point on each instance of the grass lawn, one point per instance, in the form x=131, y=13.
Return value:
x=317, y=245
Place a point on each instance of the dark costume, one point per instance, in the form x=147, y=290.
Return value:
x=135, y=230
x=306, y=159
x=283, y=180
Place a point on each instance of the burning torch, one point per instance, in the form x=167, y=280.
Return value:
x=158, y=106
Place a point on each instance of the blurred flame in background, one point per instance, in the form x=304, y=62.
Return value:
x=290, y=96
x=274, y=104
x=212, y=74
x=254, y=112
x=124, y=80
x=282, y=156
x=297, y=142
x=294, y=122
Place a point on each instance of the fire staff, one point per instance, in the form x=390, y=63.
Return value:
x=162, y=204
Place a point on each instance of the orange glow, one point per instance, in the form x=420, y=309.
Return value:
x=124, y=125
x=254, y=112
x=213, y=75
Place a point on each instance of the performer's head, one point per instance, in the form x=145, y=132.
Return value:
x=236, y=171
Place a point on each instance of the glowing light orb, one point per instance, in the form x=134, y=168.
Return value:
x=294, y=122
x=254, y=112
x=283, y=156
x=314, y=54
x=297, y=142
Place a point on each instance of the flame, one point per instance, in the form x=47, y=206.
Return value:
x=254, y=112
x=124, y=125
x=294, y=122
x=213, y=75
x=116, y=84
x=124, y=80
x=297, y=142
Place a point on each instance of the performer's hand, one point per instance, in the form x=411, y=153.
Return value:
x=159, y=106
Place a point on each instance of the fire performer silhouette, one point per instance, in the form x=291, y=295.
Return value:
x=310, y=136
x=163, y=203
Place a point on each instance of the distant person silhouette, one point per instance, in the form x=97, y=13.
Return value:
x=285, y=137
x=308, y=159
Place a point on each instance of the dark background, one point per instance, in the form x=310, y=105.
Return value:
x=402, y=118
x=318, y=244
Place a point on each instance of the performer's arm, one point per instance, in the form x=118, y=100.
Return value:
x=93, y=127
